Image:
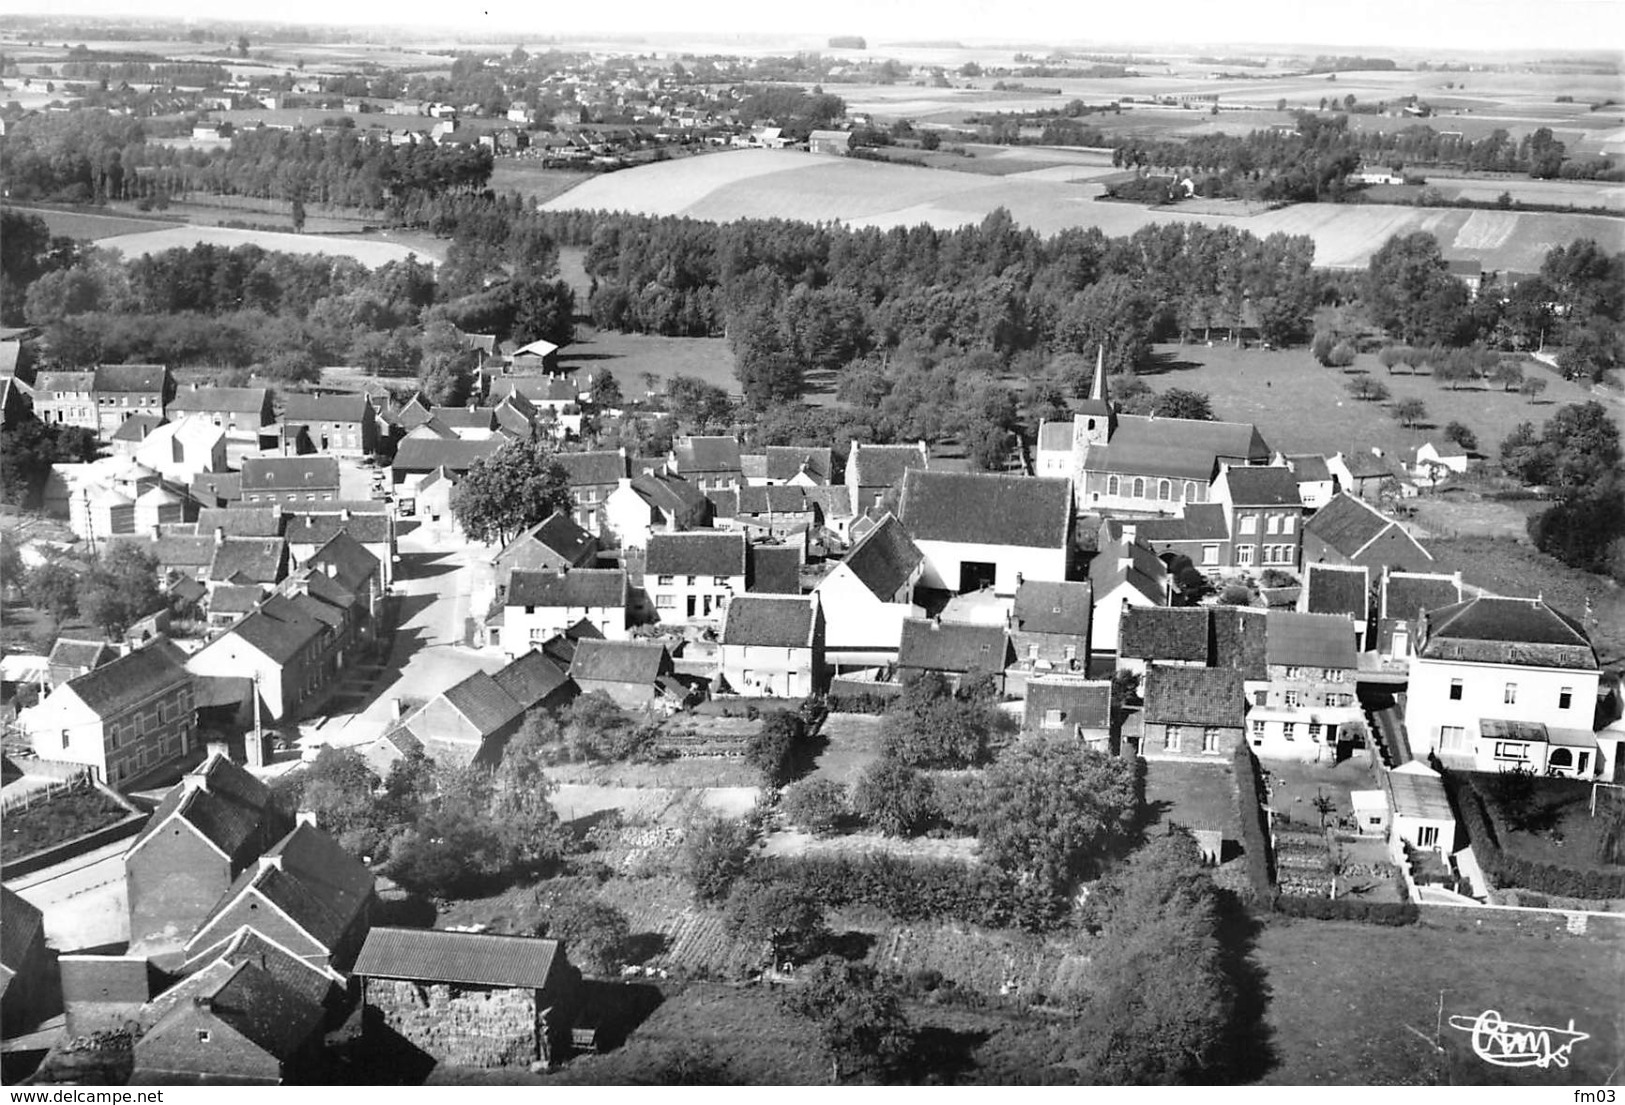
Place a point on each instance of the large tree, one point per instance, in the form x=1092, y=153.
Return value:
x=858, y=1012
x=121, y=588
x=521, y=484
x=1411, y=294
x=1055, y=810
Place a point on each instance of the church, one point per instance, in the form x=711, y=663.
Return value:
x=1136, y=462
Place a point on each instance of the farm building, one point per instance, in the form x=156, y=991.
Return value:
x=988, y=531
x=837, y=142
x=470, y=999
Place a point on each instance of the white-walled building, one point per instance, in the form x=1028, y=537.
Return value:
x=773, y=646
x=868, y=595
x=542, y=605
x=990, y=530
x=691, y=577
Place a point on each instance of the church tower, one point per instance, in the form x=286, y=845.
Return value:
x=1095, y=418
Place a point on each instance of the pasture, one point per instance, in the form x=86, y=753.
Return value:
x=85, y=225
x=527, y=177
x=644, y=362
x=372, y=252
x=739, y=184
x=1301, y=406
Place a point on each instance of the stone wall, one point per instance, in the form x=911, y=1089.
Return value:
x=466, y=1027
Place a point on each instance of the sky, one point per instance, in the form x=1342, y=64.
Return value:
x=1411, y=24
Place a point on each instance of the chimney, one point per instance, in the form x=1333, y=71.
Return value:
x=345, y=514
x=396, y=709
x=330, y=569
x=1130, y=532
x=268, y=862
x=305, y=817
x=194, y=781
x=219, y=535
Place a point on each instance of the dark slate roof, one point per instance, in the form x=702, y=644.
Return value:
x=319, y=529
x=279, y=628
x=241, y=521
x=469, y=958
x=298, y=407
x=1309, y=468
x=595, y=469
x=669, y=492
x=137, y=427
x=1406, y=594
x=20, y=924
x=531, y=678
x=131, y=378
x=71, y=653
x=574, y=587
x=226, y=805
x=345, y=560
x=252, y=1002
x=618, y=661
x=706, y=454
x=1178, y=448
x=1042, y=606
x=774, y=570
x=724, y=501
x=695, y=554
x=987, y=509
x=771, y=621
x=753, y=466
x=1164, y=633
x=236, y=400
x=884, y=558
x=289, y=473
x=1257, y=485
x=785, y=462
x=481, y=700
x=1333, y=589
x=558, y=534
x=209, y=487
x=1310, y=640
x=929, y=645
x=296, y=974
x=779, y=499
x=256, y=559
x=1200, y=522
x=1497, y=630
x=1194, y=696
x=834, y=502
x=1365, y=466
x=1240, y=636
x=432, y=428
x=548, y=389
x=234, y=600
x=425, y=455
x=1346, y=524
x=120, y=684
x=883, y=465
x=1085, y=702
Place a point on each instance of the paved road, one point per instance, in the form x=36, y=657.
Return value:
x=84, y=900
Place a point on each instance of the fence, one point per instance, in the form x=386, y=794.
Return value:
x=16, y=803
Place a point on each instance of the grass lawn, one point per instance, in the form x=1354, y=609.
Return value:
x=636, y=359
x=60, y=819
x=529, y=179
x=1513, y=568
x=854, y=744
x=1301, y=406
x=1345, y=997
x=1197, y=796
x=93, y=225
x=1560, y=828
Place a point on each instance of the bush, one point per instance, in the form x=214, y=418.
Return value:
x=716, y=853
x=816, y=805
x=1392, y=914
x=778, y=748
x=858, y=703
x=1340, y=355
x=894, y=798
x=1254, y=835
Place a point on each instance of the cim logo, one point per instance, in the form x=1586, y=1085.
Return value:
x=1506, y=1044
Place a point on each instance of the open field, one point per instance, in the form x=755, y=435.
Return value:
x=791, y=184
x=527, y=177
x=1345, y=999
x=1300, y=406
x=371, y=252
x=1572, y=193
x=631, y=356
x=84, y=225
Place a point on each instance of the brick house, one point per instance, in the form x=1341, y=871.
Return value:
x=240, y=412
x=556, y=544
x=123, y=390
x=691, y=577
x=1073, y=705
x=249, y=1029
x=1312, y=666
x=469, y=721
x=1049, y=625
x=339, y=425
x=67, y=399
x=1266, y=515
x=1192, y=711
x=70, y=658
x=470, y=999
x=709, y=463
x=773, y=646
x=293, y=481
x=210, y=827
x=123, y=719
x=1349, y=531
x=541, y=605
x=593, y=476
x=304, y=893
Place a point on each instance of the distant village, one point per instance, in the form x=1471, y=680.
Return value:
x=1154, y=587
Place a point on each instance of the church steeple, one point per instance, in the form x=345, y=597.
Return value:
x=1097, y=389
x=1095, y=418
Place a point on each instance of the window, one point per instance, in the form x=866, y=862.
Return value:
x=720, y=581
x=1294, y=673
x=1427, y=836
x=665, y=581
x=1210, y=739
x=1113, y=485
x=1053, y=719
x=1190, y=491
x=203, y=1035
x=1289, y=730
x=1560, y=757
x=1334, y=675
x=1455, y=690
x=1139, y=488
x=1510, y=695
x=1272, y=524
x=1511, y=750
x=692, y=580
x=1091, y=423
x=1314, y=730
x=1565, y=698
x=1248, y=523
x=1173, y=736
x=1071, y=654
x=1258, y=727
x=665, y=602
x=1032, y=652
x=1165, y=490
x=1210, y=555
x=64, y=738
x=1288, y=523
x=1244, y=554
x=1292, y=698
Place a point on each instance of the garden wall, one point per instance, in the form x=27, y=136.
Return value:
x=1524, y=921
x=125, y=827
